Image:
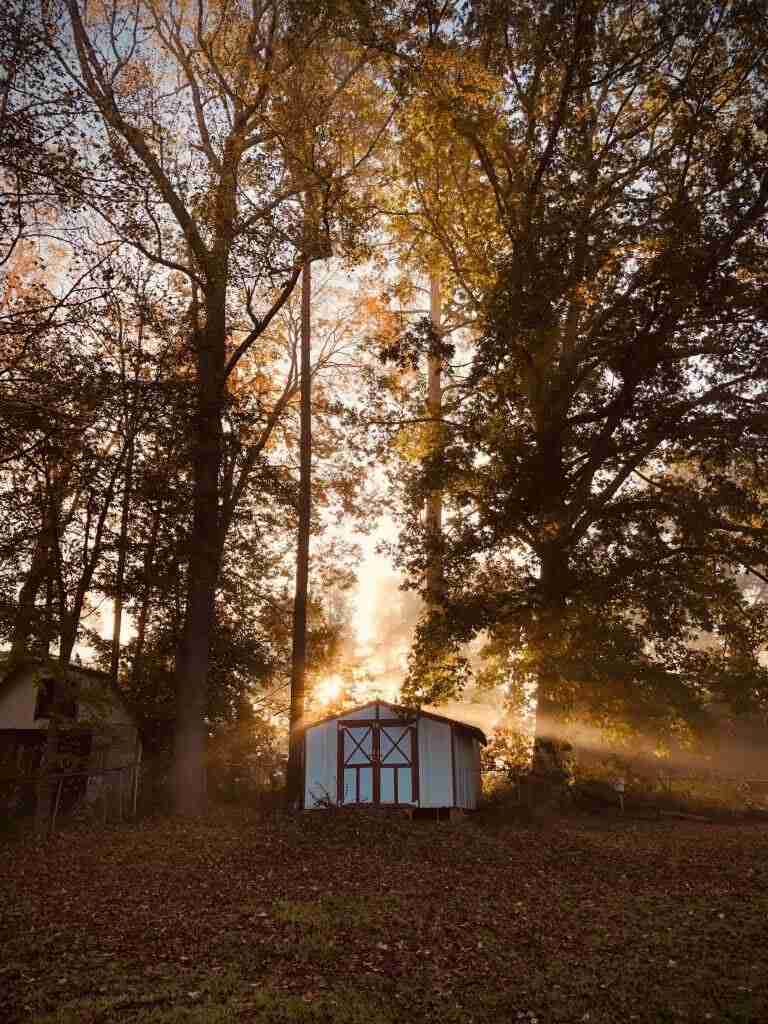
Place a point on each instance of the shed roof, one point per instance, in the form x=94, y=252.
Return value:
x=10, y=672
x=401, y=711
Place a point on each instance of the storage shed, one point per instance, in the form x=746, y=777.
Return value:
x=383, y=755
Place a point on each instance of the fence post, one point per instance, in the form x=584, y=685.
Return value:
x=135, y=788
x=56, y=805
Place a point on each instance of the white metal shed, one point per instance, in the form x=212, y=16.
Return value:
x=385, y=755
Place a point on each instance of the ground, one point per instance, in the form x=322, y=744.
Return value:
x=347, y=920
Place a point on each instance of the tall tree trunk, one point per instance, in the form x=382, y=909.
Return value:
x=117, y=615
x=552, y=768
x=434, y=504
x=205, y=541
x=299, y=649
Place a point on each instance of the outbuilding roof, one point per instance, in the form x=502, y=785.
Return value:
x=401, y=712
x=10, y=671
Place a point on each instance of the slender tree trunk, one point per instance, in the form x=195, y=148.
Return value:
x=40, y=570
x=48, y=622
x=117, y=618
x=43, y=567
x=299, y=651
x=143, y=617
x=189, y=772
x=60, y=721
x=25, y=613
x=50, y=760
x=434, y=504
x=70, y=619
x=45, y=790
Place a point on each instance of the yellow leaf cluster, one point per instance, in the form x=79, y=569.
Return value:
x=417, y=441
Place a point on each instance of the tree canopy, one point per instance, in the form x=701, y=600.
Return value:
x=572, y=425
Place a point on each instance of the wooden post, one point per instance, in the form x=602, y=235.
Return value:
x=136, y=771
x=135, y=794
x=619, y=785
x=56, y=805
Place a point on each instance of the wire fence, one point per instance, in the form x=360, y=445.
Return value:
x=116, y=790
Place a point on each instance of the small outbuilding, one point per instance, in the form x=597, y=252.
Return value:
x=99, y=744
x=380, y=754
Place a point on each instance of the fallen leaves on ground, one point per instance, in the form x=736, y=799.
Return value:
x=352, y=919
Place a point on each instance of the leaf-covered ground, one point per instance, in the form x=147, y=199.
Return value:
x=350, y=920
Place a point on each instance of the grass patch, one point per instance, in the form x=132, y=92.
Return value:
x=330, y=913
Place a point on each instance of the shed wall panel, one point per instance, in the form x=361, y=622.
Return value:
x=467, y=753
x=321, y=764
x=435, y=773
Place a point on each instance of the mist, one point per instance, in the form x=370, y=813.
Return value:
x=727, y=746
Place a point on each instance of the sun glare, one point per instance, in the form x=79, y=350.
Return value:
x=329, y=689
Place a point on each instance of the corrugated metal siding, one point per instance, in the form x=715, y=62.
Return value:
x=321, y=764
x=435, y=779
x=467, y=770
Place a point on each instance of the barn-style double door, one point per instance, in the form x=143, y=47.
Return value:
x=378, y=763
